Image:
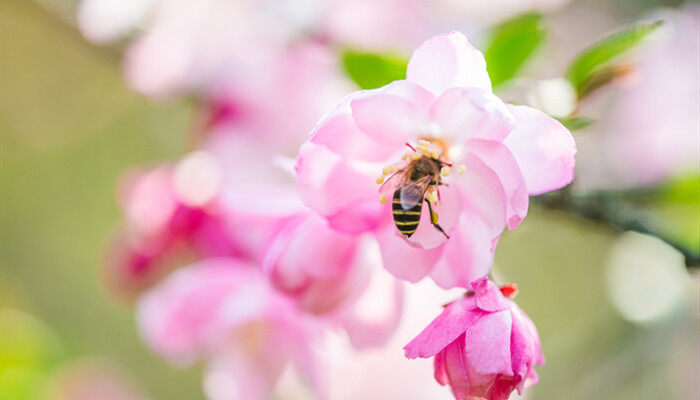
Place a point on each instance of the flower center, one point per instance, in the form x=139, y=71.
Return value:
x=428, y=147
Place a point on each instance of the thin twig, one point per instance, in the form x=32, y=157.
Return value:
x=612, y=210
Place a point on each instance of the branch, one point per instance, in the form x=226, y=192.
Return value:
x=612, y=210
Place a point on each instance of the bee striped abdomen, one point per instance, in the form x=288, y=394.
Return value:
x=406, y=220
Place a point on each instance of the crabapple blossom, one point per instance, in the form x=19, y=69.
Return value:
x=327, y=272
x=484, y=346
x=446, y=112
x=225, y=312
x=166, y=217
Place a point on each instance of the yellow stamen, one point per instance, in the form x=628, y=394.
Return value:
x=386, y=170
x=383, y=199
x=461, y=168
x=393, y=169
x=380, y=179
x=417, y=155
x=445, y=171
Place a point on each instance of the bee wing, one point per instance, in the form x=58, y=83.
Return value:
x=394, y=181
x=412, y=193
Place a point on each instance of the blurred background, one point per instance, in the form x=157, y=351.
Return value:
x=617, y=312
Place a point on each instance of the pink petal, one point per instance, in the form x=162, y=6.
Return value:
x=526, y=322
x=522, y=347
x=315, y=264
x=457, y=368
x=448, y=211
x=499, y=158
x=340, y=134
x=488, y=296
x=373, y=318
x=487, y=345
x=483, y=194
x=184, y=316
x=466, y=256
x=544, y=148
x=238, y=378
x=441, y=369
x=448, y=60
x=456, y=318
x=333, y=186
x=400, y=258
x=472, y=113
x=393, y=114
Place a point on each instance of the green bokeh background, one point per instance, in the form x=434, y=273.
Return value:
x=70, y=128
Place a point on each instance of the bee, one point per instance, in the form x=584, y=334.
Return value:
x=410, y=184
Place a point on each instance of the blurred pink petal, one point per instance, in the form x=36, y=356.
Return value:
x=402, y=260
x=318, y=266
x=466, y=256
x=499, y=158
x=448, y=60
x=472, y=113
x=544, y=148
x=330, y=186
x=396, y=112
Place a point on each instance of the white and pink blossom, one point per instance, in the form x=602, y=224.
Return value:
x=501, y=153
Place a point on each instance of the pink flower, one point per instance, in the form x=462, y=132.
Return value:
x=168, y=217
x=326, y=272
x=484, y=345
x=225, y=311
x=316, y=264
x=500, y=153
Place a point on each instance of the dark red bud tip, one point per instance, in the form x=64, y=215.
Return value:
x=509, y=290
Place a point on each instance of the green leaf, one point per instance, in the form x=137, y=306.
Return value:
x=512, y=43
x=576, y=123
x=683, y=189
x=373, y=70
x=596, y=58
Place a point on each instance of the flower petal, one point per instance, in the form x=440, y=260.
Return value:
x=454, y=320
x=336, y=188
x=483, y=194
x=400, y=258
x=464, y=113
x=448, y=211
x=448, y=60
x=488, y=296
x=340, y=134
x=394, y=113
x=466, y=256
x=372, y=319
x=487, y=347
x=184, y=316
x=239, y=378
x=499, y=158
x=544, y=148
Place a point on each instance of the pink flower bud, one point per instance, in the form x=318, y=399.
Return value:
x=484, y=346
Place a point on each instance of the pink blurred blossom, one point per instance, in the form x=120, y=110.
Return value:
x=171, y=214
x=484, y=346
x=225, y=312
x=506, y=152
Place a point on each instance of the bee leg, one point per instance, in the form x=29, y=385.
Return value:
x=434, y=219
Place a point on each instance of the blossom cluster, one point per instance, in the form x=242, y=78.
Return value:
x=248, y=250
